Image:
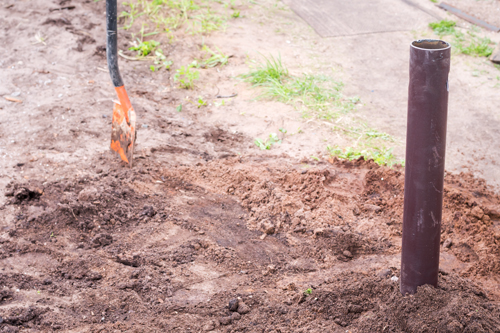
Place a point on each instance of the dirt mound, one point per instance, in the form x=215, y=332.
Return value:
x=154, y=249
x=288, y=198
x=356, y=196
x=366, y=304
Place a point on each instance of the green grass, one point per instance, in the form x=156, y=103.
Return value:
x=379, y=154
x=157, y=17
x=466, y=43
x=315, y=95
x=215, y=57
x=362, y=132
x=472, y=45
x=319, y=96
x=131, y=15
x=205, y=22
x=369, y=143
x=272, y=71
x=444, y=27
x=167, y=16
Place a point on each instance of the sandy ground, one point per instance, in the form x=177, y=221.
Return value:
x=205, y=220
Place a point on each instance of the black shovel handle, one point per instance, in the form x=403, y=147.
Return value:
x=112, y=42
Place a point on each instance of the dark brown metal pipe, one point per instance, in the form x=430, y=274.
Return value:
x=424, y=166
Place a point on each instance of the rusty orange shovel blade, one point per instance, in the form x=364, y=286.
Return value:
x=123, y=127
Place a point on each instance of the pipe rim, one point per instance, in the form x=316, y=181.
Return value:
x=430, y=45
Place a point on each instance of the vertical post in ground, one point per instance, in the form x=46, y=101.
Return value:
x=424, y=166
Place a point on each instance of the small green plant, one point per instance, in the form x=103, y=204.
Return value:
x=144, y=48
x=282, y=130
x=268, y=143
x=179, y=108
x=308, y=291
x=161, y=60
x=215, y=58
x=40, y=39
x=186, y=77
x=201, y=102
x=235, y=14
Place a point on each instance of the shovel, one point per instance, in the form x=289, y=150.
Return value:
x=123, y=132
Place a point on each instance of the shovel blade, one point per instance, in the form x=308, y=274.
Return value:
x=123, y=127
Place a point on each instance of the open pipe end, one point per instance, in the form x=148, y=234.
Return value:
x=430, y=44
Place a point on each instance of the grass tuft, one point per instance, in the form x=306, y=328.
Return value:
x=444, y=27
x=380, y=155
x=319, y=96
x=316, y=95
x=197, y=17
x=473, y=46
x=216, y=57
x=272, y=71
x=466, y=43
x=186, y=76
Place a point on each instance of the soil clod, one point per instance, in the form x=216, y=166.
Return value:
x=385, y=273
x=225, y=320
x=233, y=305
x=243, y=308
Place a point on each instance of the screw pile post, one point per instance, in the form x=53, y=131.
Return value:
x=424, y=165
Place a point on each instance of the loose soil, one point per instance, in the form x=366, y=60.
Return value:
x=205, y=232
x=312, y=249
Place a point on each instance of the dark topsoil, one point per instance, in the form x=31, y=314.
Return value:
x=300, y=249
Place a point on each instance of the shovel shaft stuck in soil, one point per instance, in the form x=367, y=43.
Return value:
x=123, y=124
x=424, y=171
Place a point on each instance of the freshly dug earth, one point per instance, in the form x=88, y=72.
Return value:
x=288, y=247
